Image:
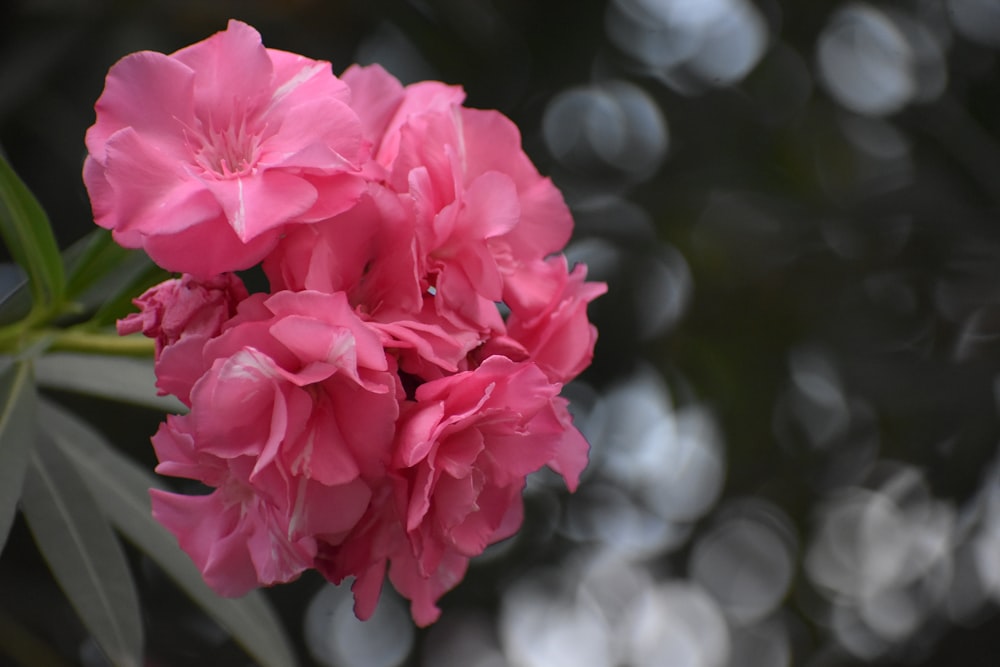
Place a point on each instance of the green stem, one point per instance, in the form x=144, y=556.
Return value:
x=13, y=335
x=76, y=340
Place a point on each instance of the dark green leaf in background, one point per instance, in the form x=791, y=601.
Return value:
x=104, y=277
x=133, y=276
x=76, y=540
x=89, y=260
x=15, y=295
x=17, y=422
x=26, y=232
x=121, y=487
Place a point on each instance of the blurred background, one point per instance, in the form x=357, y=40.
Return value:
x=793, y=407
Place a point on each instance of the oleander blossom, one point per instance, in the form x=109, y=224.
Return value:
x=462, y=451
x=183, y=307
x=181, y=315
x=201, y=157
x=375, y=411
x=291, y=422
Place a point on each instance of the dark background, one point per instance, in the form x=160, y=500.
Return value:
x=793, y=404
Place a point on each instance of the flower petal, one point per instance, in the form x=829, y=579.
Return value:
x=148, y=191
x=150, y=92
x=208, y=531
x=260, y=203
x=218, y=249
x=231, y=66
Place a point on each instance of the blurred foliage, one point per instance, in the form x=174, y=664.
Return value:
x=804, y=250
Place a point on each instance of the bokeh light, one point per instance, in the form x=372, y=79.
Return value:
x=338, y=639
x=979, y=20
x=875, y=62
x=865, y=61
x=689, y=45
x=607, y=131
x=746, y=561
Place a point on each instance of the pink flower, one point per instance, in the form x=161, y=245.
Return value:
x=462, y=452
x=255, y=528
x=292, y=422
x=201, y=157
x=366, y=252
x=369, y=253
x=548, y=315
x=182, y=315
x=285, y=379
x=425, y=255
x=458, y=207
x=385, y=106
x=480, y=207
x=375, y=413
x=185, y=306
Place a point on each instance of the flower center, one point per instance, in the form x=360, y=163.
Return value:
x=231, y=151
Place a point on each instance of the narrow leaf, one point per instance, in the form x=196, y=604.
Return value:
x=15, y=295
x=121, y=487
x=82, y=551
x=117, y=378
x=17, y=423
x=26, y=231
x=104, y=277
x=135, y=275
x=90, y=259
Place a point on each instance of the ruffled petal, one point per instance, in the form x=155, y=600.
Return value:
x=209, y=533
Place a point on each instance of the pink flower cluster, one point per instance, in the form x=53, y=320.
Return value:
x=376, y=412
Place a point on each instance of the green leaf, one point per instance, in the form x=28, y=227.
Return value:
x=117, y=378
x=76, y=540
x=26, y=231
x=17, y=435
x=90, y=259
x=122, y=488
x=104, y=277
x=15, y=300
